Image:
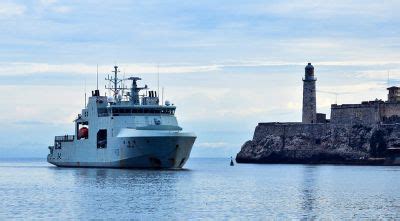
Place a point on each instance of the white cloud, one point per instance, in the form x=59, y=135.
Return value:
x=353, y=88
x=49, y=104
x=325, y=9
x=54, y=6
x=9, y=9
x=380, y=74
x=294, y=105
x=62, y=9
x=48, y=2
x=24, y=68
x=76, y=68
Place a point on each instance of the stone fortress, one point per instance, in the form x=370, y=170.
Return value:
x=365, y=133
x=369, y=112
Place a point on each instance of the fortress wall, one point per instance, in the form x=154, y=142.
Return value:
x=316, y=130
x=264, y=129
x=390, y=109
x=364, y=113
x=355, y=114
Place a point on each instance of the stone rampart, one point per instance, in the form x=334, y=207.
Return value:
x=355, y=114
x=367, y=113
x=389, y=110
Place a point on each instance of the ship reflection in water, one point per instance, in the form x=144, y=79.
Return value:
x=209, y=188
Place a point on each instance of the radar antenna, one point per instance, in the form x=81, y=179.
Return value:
x=134, y=94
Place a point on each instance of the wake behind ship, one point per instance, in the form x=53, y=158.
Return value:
x=129, y=130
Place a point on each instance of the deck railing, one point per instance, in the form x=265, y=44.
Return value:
x=65, y=138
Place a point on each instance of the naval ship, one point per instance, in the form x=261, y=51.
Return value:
x=127, y=130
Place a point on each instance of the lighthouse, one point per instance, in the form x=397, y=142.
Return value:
x=309, y=96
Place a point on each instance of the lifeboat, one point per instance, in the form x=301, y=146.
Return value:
x=83, y=133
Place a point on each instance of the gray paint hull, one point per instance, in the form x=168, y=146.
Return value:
x=169, y=152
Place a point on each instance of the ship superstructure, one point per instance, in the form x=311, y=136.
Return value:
x=127, y=130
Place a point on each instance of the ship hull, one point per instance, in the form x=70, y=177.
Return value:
x=158, y=152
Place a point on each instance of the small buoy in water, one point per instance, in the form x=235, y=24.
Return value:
x=232, y=164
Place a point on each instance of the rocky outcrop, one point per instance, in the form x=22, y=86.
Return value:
x=319, y=143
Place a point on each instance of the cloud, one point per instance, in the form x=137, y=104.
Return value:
x=294, y=105
x=62, y=9
x=353, y=88
x=323, y=9
x=23, y=68
x=9, y=9
x=385, y=74
x=55, y=6
x=30, y=122
x=77, y=68
x=48, y=2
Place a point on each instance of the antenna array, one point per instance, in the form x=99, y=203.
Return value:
x=115, y=83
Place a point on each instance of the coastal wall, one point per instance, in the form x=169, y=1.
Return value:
x=355, y=114
x=390, y=111
x=319, y=143
x=367, y=113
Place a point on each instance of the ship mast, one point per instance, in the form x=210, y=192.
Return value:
x=114, y=82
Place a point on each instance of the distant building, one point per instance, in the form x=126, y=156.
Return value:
x=394, y=94
x=369, y=112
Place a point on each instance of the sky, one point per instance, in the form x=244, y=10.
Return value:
x=226, y=64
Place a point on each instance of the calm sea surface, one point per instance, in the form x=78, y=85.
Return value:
x=206, y=189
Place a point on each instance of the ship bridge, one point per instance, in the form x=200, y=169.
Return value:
x=128, y=101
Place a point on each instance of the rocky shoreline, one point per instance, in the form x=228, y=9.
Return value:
x=297, y=143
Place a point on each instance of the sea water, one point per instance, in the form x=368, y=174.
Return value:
x=205, y=189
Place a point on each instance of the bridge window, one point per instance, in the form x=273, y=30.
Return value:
x=103, y=112
x=129, y=111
